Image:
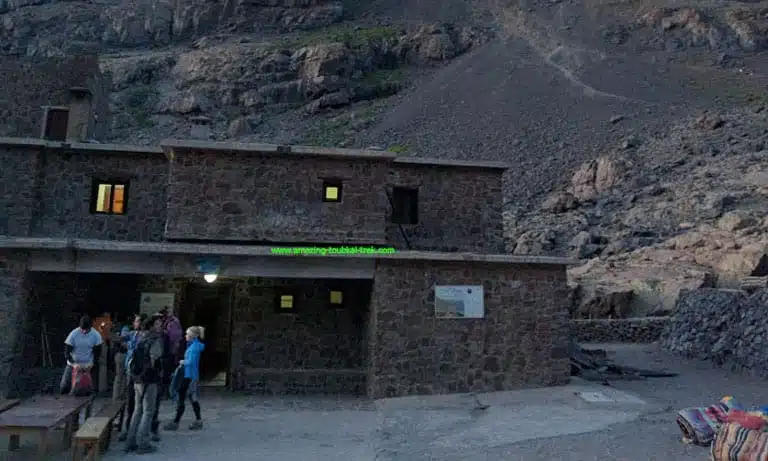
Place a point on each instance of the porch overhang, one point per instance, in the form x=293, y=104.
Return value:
x=183, y=259
x=83, y=256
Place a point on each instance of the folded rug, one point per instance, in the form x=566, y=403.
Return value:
x=700, y=425
x=736, y=443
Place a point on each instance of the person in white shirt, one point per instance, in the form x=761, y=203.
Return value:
x=82, y=348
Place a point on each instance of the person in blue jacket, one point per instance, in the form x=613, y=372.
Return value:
x=188, y=389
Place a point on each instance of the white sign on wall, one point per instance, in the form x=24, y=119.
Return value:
x=152, y=303
x=459, y=301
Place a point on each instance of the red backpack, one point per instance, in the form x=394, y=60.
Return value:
x=82, y=383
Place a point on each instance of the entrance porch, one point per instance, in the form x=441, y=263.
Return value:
x=274, y=326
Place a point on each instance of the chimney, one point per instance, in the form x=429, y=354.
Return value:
x=79, y=129
x=55, y=123
x=200, y=128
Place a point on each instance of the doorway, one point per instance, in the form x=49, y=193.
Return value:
x=209, y=305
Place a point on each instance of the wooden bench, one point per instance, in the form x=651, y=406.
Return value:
x=90, y=438
x=40, y=416
x=115, y=411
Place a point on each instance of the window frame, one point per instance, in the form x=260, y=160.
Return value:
x=333, y=182
x=279, y=309
x=403, y=218
x=344, y=298
x=97, y=183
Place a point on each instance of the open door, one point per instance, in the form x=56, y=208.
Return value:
x=209, y=305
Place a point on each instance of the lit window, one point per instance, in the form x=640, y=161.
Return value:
x=286, y=302
x=337, y=297
x=331, y=191
x=109, y=197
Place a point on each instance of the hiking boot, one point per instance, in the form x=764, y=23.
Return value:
x=171, y=426
x=155, y=437
x=123, y=437
x=196, y=426
x=145, y=449
x=130, y=448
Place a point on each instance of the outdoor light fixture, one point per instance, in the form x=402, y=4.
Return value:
x=209, y=268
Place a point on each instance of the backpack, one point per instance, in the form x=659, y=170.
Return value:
x=82, y=384
x=140, y=365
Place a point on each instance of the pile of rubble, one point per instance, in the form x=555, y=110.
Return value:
x=594, y=365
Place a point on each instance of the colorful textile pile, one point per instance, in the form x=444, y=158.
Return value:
x=736, y=443
x=699, y=425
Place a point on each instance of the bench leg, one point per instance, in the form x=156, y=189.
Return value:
x=75, y=452
x=14, y=442
x=108, y=437
x=69, y=430
x=43, y=448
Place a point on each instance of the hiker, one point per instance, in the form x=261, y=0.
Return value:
x=145, y=370
x=167, y=365
x=82, y=349
x=130, y=339
x=188, y=388
x=172, y=328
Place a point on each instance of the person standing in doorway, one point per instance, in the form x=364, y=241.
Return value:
x=189, y=388
x=145, y=369
x=82, y=348
x=175, y=333
x=130, y=339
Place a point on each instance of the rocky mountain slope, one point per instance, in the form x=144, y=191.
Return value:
x=635, y=130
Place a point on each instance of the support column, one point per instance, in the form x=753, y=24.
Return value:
x=13, y=301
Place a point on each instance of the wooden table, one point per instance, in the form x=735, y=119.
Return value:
x=41, y=415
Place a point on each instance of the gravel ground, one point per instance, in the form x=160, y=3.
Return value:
x=654, y=437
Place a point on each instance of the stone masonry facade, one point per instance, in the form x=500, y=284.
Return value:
x=47, y=193
x=247, y=198
x=29, y=84
x=13, y=289
x=318, y=349
x=521, y=342
x=459, y=209
x=242, y=197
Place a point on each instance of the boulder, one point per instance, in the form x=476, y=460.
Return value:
x=560, y=202
x=606, y=303
x=593, y=178
x=735, y=220
x=536, y=242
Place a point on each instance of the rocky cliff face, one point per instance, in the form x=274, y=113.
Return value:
x=636, y=133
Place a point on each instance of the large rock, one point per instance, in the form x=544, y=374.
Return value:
x=602, y=304
x=593, y=178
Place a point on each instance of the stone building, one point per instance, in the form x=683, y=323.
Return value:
x=312, y=269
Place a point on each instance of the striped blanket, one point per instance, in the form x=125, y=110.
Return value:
x=699, y=425
x=735, y=443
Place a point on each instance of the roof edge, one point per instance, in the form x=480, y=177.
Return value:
x=32, y=243
x=79, y=146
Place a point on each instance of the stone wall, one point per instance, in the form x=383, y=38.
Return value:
x=17, y=189
x=241, y=196
x=65, y=188
x=13, y=297
x=521, y=342
x=31, y=83
x=727, y=327
x=634, y=330
x=459, y=208
x=318, y=349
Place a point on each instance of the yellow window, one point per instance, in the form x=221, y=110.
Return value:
x=104, y=198
x=286, y=302
x=331, y=193
x=337, y=297
x=118, y=199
